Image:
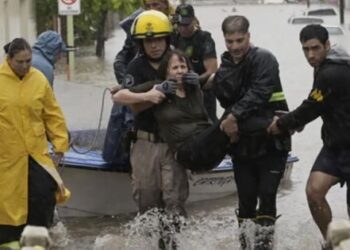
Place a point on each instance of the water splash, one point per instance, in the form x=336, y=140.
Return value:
x=207, y=231
x=59, y=235
x=210, y=231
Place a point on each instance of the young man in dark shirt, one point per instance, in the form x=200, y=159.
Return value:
x=330, y=99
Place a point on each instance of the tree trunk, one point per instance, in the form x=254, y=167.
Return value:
x=101, y=35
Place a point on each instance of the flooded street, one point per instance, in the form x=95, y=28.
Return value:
x=212, y=224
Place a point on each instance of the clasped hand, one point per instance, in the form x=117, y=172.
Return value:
x=230, y=127
x=191, y=78
x=167, y=87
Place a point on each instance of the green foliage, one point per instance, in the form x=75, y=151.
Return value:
x=88, y=22
x=45, y=10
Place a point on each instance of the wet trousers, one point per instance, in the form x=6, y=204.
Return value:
x=157, y=179
x=257, y=182
x=41, y=203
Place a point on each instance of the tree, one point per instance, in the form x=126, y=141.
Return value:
x=102, y=8
x=90, y=25
x=46, y=11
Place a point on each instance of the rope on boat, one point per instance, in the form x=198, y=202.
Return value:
x=93, y=142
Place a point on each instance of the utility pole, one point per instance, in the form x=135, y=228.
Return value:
x=69, y=8
x=70, y=43
x=341, y=11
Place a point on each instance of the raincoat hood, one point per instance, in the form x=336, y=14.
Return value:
x=338, y=54
x=50, y=44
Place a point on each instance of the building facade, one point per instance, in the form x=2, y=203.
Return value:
x=17, y=19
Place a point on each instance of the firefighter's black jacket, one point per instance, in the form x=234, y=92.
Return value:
x=252, y=91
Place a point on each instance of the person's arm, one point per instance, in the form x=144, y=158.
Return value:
x=55, y=125
x=210, y=61
x=313, y=106
x=123, y=58
x=149, y=90
x=211, y=65
x=144, y=87
x=138, y=101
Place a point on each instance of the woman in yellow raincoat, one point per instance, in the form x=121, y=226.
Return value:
x=29, y=117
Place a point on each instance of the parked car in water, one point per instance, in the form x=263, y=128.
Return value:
x=328, y=14
x=338, y=36
x=327, y=11
x=305, y=20
x=334, y=30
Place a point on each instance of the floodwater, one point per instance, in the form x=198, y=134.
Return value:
x=212, y=224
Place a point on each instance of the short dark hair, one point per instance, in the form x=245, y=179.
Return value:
x=163, y=67
x=314, y=31
x=233, y=24
x=17, y=45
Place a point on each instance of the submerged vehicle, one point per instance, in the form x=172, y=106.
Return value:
x=103, y=189
x=305, y=20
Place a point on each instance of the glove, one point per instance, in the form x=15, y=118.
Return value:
x=167, y=87
x=191, y=78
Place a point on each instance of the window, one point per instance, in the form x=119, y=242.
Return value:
x=322, y=12
x=304, y=20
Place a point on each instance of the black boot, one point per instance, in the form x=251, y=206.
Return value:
x=264, y=238
x=246, y=232
x=169, y=226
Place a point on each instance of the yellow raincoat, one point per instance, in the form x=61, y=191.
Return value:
x=29, y=113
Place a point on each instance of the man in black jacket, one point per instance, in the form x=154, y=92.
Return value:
x=248, y=87
x=199, y=46
x=330, y=99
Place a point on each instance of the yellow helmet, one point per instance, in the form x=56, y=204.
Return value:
x=151, y=23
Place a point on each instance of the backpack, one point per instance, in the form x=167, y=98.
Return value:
x=115, y=151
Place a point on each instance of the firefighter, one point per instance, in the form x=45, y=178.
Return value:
x=158, y=180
